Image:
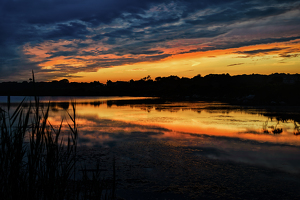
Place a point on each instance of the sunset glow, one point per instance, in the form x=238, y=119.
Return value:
x=182, y=38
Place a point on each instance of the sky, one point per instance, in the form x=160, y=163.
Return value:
x=100, y=40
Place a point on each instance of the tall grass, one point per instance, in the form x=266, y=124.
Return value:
x=37, y=162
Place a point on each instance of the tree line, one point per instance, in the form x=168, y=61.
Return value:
x=275, y=89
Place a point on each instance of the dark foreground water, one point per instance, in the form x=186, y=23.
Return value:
x=186, y=150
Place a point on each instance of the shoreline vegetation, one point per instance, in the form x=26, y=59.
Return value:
x=39, y=161
x=275, y=89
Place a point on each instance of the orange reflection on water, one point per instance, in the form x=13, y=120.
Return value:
x=187, y=119
x=284, y=137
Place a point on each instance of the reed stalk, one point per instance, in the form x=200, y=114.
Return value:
x=37, y=162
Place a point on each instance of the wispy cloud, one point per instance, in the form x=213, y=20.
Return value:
x=235, y=64
x=137, y=69
x=259, y=51
x=289, y=55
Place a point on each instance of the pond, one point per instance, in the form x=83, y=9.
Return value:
x=140, y=129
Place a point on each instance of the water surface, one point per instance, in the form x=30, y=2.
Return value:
x=212, y=129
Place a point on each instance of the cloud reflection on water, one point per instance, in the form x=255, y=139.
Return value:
x=214, y=130
x=109, y=133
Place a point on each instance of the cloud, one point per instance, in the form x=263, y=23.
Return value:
x=238, y=44
x=289, y=55
x=259, y=51
x=65, y=70
x=72, y=30
x=136, y=30
x=235, y=64
x=136, y=69
x=62, y=53
x=238, y=12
